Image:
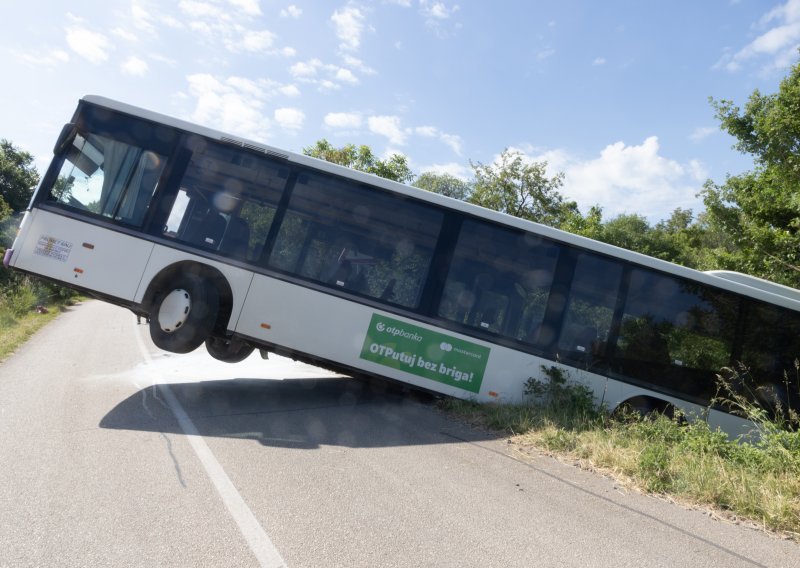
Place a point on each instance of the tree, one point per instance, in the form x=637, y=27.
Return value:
x=18, y=177
x=515, y=186
x=361, y=158
x=760, y=210
x=444, y=184
x=5, y=210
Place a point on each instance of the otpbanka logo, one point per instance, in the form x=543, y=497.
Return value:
x=398, y=332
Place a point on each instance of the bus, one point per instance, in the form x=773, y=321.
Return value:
x=223, y=241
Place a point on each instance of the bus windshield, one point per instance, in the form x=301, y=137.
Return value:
x=109, y=178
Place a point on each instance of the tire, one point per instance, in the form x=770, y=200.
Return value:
x=228, y=350
x=183, y=314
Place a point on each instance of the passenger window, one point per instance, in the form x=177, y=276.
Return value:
x=590, y=310
x=357, y=239
x=769, y=354
x=227, y=201
x=675, y=333
x=499, y=281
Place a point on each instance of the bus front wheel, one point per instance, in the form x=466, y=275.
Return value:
x=228, y=350
x=183, y=314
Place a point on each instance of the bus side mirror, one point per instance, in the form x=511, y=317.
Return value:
x=68, y=133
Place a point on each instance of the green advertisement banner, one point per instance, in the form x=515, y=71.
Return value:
x=425, y=353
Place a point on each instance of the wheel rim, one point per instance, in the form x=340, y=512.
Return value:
x=174, y=310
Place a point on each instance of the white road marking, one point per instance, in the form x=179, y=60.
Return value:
x=255, y=535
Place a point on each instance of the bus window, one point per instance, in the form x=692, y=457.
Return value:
x=590, y=310
x=770, y=350
x=675, y=333
x=357, y=239
x=227, y=201
x=109, y=178
x=499, y=280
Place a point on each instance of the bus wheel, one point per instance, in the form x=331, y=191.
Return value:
x=228, y=350
x=183, y=314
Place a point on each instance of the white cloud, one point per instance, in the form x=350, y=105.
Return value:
x=135, y=66
x=544, y=53
x=197, y=9
x=328, y=85
x=346, y=76
x=388, y=126
x=599, y=61
x=343, y=120
x=141, y=17
x=437, y=14
x=291, y=12
x=251, y=41
x=122, y=33
x=304, y=69
x=289, y=91
x=627, y=179
x=702, y=132
x=349, y=25
x=289, y=118
x=92, y=46
x=451, y=140
x=357, y=64
x=249, y=7
x=454, y=169
x=437, y=10
x=326, y=76
x=232, y=105
x=778, y=43
x=50, y=58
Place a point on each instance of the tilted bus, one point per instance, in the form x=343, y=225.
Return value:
x=228, y=242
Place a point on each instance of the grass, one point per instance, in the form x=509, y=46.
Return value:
x=26, y=305
x=757, y=481
x=15, y=330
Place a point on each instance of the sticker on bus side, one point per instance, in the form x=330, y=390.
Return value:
x=53, y=248
x=425, y=353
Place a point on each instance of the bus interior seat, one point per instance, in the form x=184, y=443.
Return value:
x=209, y=231
x=236, y=240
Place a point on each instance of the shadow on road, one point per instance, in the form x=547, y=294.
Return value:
x=296, y=413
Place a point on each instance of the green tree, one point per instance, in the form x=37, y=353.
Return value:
x=5, y=210
x=444, y=184
x=760, y=210
x=589, y=225
x=361, y=158
x=18, y=176
x=521, y=188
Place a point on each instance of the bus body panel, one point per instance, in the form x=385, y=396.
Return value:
x=81, y=254
x=336, y=329
x=163, y=257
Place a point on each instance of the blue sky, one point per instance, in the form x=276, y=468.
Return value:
x=613, y=93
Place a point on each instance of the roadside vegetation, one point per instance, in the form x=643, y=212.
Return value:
x=755, y=479
x=26, y=304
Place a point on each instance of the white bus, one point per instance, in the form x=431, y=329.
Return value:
x=227, y=242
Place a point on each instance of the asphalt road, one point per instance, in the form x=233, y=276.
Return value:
x=115, y=454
